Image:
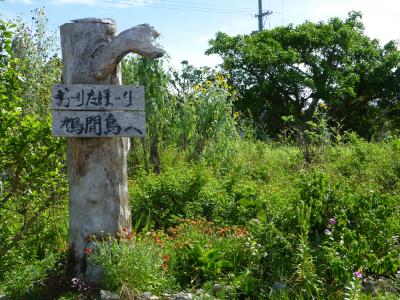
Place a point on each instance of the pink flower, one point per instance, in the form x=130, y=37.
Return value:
x=88, y=251
x=332, y=221
x=357, y=275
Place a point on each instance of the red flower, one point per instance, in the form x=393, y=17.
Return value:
x=88, y=251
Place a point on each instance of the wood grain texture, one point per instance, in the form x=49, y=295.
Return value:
x=97, y=167
x=98, y=123
x=138, y=39
x=97, y=97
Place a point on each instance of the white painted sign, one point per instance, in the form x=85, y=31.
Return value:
x=86, y=110
x=97, y=97
x=99, y=123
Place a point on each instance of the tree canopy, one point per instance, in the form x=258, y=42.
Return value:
x=292, y=70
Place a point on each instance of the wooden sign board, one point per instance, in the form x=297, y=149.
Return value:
x=98, y=123
x=97, y=97
x=84, y=110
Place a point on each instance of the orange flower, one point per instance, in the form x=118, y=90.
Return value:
x=164, y=265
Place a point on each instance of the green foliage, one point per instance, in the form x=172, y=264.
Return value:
x=36, y=48
x=10, y=81
x=214, y=125
x=185, y=82
x=159, y=105
x=185, y=191
x=163, y=198
x=194, y=254
x=205, y=120
x=313, y=137
x=196, y=118
x=332, y=218
x=201, y=252
x=32, y=176
x=25, y=280
x=135, y=263
x=290, y=70
x=353, y=289
x=249, y=216
x=304, y=277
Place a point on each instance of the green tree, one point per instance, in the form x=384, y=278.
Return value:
x=32, y=169
x=291, y=70
x=159, y=104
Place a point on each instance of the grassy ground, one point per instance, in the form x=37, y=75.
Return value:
x=259, y=223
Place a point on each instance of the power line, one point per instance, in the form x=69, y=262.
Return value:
x=174, y=4
x=290, y=17
x=196, y=4
x=183, y=7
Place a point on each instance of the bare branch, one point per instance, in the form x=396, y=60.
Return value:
x=138, y=39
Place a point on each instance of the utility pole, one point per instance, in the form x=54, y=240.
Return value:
x=261, y=16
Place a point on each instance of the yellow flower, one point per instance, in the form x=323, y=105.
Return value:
x=322, y=105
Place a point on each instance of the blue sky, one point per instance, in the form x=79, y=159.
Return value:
x=187, y=25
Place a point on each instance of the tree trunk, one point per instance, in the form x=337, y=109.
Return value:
x=97, y=167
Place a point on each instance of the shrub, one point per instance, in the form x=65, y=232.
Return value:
x=137, y=264
x=24, y=281
x=32, y=167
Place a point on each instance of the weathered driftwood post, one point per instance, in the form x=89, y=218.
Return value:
x=97, y=142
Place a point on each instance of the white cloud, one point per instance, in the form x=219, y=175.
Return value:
x=196, y=59
x=23, y=1
x=194, y=51
x=381, y=18
x=102, y=3
x=84, y=2
x=203, y=39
